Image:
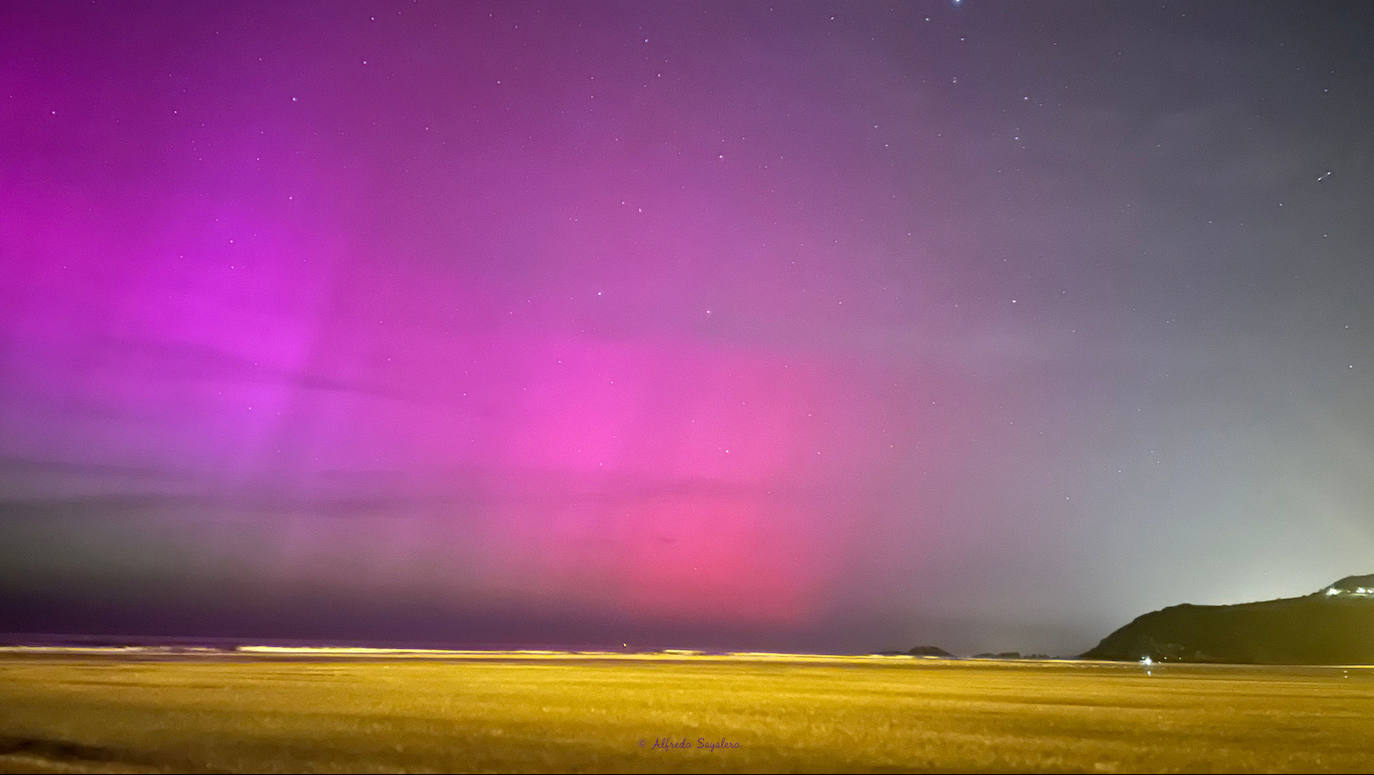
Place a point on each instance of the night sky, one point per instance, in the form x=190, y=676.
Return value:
x=838, y=326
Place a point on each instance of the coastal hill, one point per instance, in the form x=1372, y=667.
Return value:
x=1332, y=626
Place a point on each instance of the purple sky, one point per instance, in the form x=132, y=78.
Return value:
x=804, y=325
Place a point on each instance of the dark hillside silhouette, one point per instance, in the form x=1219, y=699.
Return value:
x=1332, y=626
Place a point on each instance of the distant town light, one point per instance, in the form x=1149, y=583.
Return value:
x=1332, y=591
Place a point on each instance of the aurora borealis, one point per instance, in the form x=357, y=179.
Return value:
x=803, y=325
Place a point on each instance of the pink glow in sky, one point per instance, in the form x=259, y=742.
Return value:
x=733, y=324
